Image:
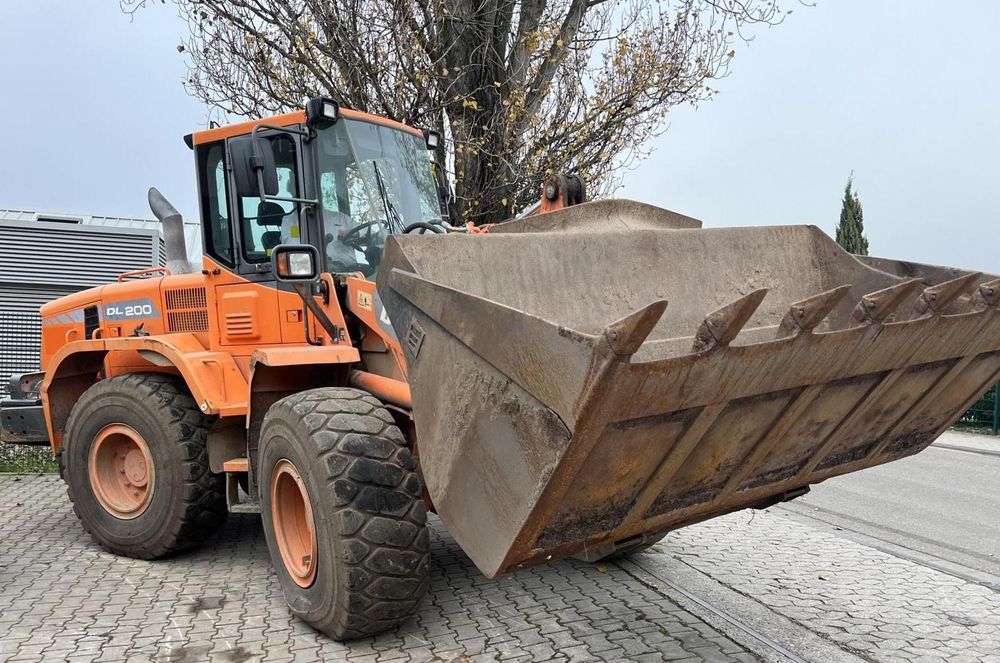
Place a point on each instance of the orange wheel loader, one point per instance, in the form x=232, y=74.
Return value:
x=574, y=383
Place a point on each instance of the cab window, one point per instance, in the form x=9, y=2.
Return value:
x=268, y=223
x=214, y=205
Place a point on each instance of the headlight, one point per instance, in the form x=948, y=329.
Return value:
x=295, y=262
x=299, y=264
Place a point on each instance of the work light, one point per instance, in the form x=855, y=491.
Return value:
x=432, y=138
x=321, y=110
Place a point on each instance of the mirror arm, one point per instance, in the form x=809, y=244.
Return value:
x=304, y=291
x=258, y=168
x=292, y=199
x=259, y=171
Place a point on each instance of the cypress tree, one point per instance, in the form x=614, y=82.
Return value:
x=851, y=231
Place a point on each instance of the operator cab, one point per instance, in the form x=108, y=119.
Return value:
x=339, y=180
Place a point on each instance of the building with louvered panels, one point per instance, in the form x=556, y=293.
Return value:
x=45, y=256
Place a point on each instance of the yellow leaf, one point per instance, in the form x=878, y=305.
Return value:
x=602, y=568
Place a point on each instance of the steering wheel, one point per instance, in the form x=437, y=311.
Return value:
x=364, y=243
x=353, y=236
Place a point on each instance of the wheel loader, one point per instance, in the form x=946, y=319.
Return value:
x=577, y=382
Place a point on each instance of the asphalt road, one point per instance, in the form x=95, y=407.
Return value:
x=941, y=505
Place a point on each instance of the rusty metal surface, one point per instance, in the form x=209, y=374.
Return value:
x=574, y=386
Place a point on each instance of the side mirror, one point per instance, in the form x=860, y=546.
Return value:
x=295, y=263
x=252, y=157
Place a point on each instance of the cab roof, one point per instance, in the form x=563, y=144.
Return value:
x=284, y=120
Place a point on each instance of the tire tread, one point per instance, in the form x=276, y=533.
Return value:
x=379, y=514
x=204, y=502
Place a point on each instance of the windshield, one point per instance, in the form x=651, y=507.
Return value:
x=374, y=181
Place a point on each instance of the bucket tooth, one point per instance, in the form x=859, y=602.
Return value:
x=805, y=315
x=626, y=335
x=936, y=298
x=880, y=305
x=987, y=295
x=721, y=327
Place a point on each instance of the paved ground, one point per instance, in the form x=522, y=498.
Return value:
x=750, y=586
x=944, y=501
x=871, y=603
x=62, y=598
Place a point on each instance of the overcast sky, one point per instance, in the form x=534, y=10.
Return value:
x=905, y=94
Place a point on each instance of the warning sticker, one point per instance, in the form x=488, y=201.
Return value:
x=364, y=300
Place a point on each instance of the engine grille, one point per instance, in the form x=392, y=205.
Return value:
x=185, y=298
x=187, y=310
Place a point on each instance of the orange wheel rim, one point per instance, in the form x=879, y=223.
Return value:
x=294, y=528
x=121, y=471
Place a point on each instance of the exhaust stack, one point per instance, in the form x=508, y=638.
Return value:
x=173, y=232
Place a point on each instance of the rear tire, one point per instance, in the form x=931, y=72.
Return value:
x=146, y=430
x=342, y=512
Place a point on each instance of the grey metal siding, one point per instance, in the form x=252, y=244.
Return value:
x=44, y=260
x=192, y=227
x=75, y=255
x=21, y=328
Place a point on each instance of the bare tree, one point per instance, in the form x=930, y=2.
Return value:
x=518, y=88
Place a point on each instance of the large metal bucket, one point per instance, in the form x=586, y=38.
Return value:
x=609, y=372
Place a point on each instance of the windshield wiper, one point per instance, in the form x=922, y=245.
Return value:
x=395, y=220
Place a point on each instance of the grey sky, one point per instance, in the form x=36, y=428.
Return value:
x=903, y=93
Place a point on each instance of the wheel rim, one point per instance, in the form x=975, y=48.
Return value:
x=294, y=528
x=121, y=471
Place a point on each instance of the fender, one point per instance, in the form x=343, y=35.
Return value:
x=278, y=372
x=213, y=378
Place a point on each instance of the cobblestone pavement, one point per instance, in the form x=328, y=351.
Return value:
x=61, y=598
x=871, y=603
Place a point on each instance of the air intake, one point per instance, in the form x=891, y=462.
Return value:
x=187, y=310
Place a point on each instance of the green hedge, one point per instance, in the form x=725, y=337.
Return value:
x=20, y=458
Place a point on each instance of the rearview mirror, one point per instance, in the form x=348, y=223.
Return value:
x=252, y=156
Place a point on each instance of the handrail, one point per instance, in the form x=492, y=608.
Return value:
x=143, y=272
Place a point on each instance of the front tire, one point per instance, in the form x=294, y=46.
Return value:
x=136, y=467
x=342, y=512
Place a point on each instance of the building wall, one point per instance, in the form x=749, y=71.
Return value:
x=46, y=256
